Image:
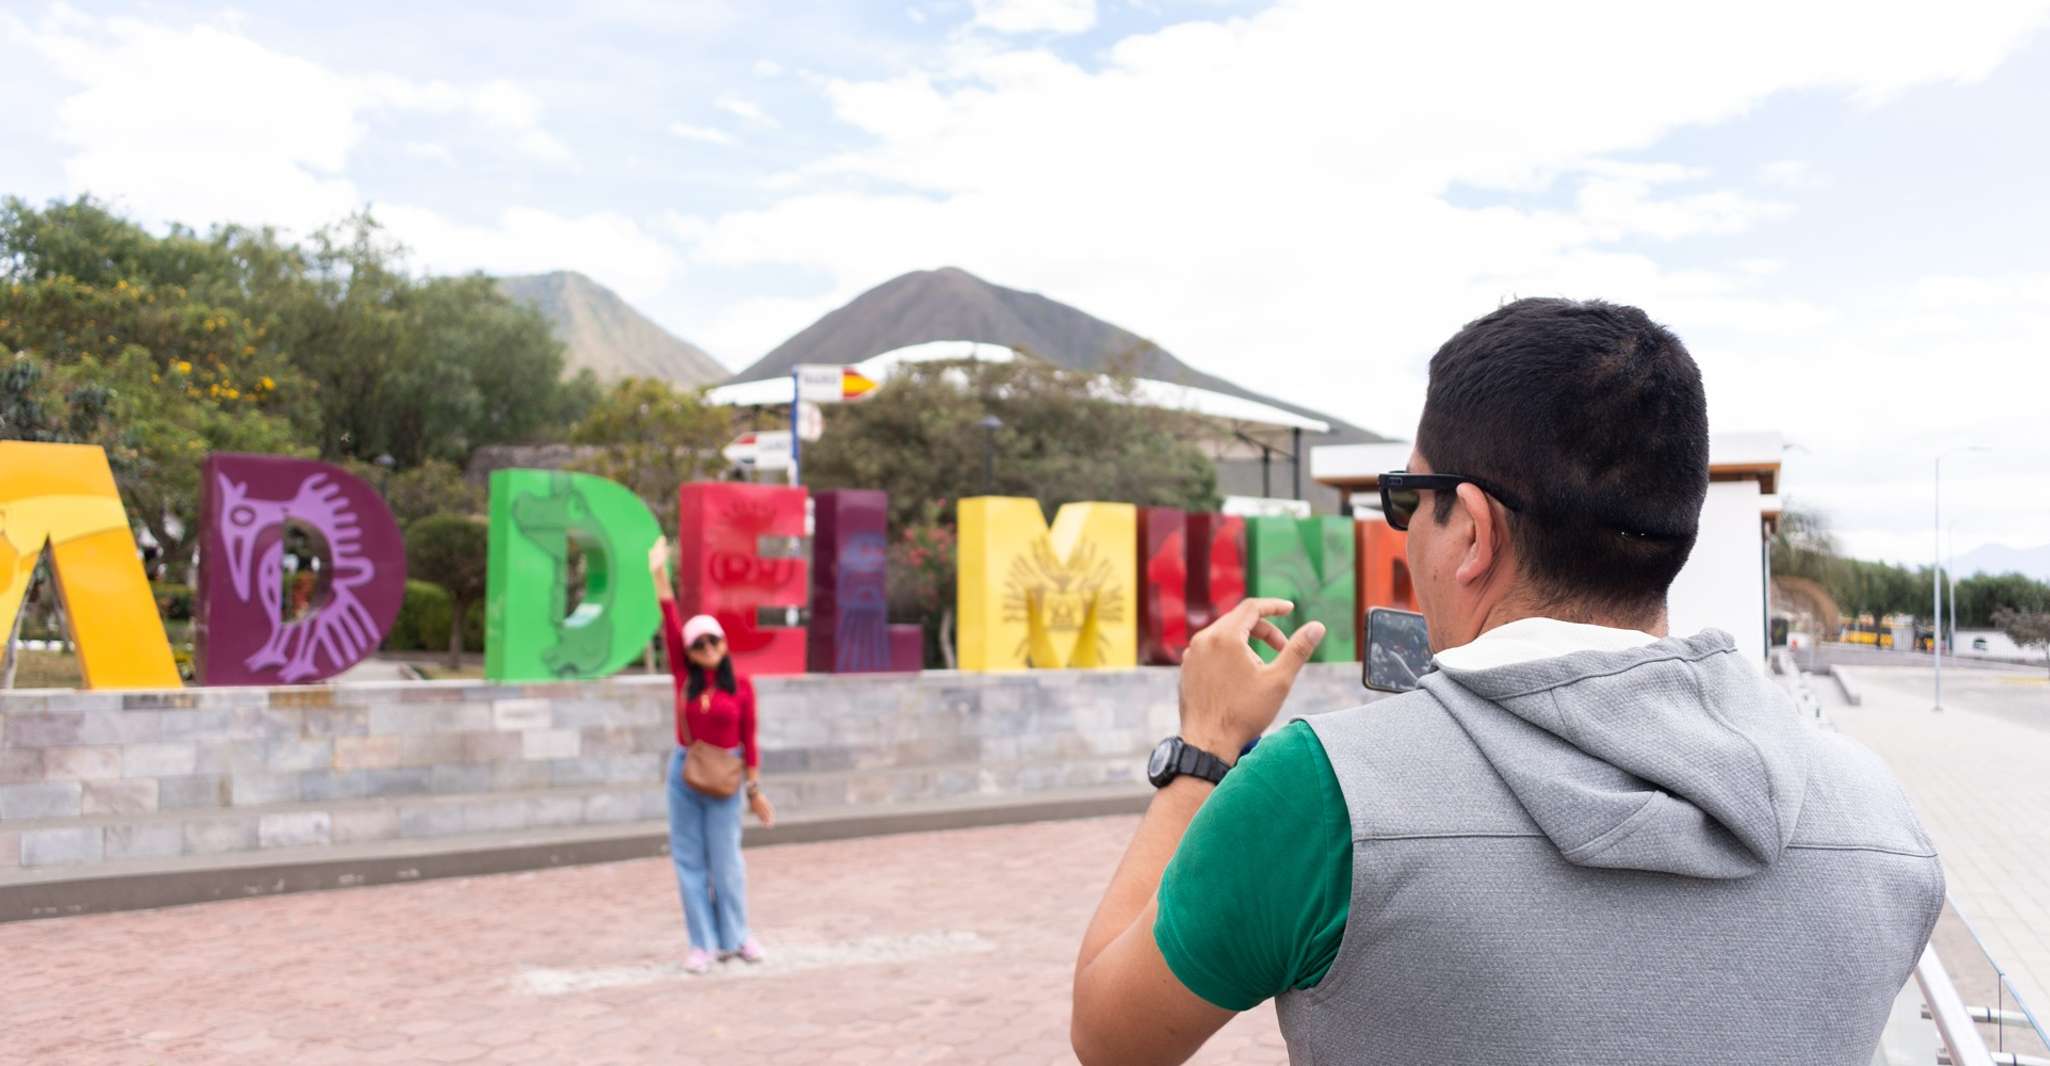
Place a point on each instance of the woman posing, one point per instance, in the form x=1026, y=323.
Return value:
x=715, y=709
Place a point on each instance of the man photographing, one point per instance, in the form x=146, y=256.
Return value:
x=1583, y=840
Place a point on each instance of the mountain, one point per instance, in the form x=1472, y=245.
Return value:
x=605, y=334
x=950, y=304
x=2001, y=559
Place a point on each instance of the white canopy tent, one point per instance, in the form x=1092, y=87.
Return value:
x=1209, y=403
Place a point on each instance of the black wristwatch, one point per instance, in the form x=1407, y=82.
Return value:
x=1174, y=757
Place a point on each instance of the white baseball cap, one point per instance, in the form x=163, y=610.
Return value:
x=701, y=625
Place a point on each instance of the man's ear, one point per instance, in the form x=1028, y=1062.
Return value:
x=1484, y=539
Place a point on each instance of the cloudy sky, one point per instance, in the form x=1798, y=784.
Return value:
x=1842, y=207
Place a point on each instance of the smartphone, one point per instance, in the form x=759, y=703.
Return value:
x=1398, y=650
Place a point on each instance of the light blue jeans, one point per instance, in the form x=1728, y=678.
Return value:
x=704, y=843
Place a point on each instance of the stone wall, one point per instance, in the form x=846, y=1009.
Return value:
x=101, y=777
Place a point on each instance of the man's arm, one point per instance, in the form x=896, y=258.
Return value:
x=1129, y=1007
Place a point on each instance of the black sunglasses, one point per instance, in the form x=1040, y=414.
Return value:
x=1403, y=492
x=705, y=643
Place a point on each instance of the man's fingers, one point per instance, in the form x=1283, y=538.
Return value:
x=1239, y=620
x=1265, y=633
x=1298, y=651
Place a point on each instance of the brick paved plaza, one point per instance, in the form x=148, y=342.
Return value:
x=1979, y=775
x=946, y=947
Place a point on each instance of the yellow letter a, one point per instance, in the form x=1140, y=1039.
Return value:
x=63, y=495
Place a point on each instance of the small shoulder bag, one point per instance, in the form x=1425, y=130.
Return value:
x=708, y=769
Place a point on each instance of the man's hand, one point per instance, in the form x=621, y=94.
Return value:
x=1229, y=697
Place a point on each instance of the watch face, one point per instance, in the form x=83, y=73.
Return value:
x=1157, y=763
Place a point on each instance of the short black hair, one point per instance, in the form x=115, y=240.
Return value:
x=1595, y=418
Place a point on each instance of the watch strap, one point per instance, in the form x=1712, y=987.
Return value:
x=1195, y=762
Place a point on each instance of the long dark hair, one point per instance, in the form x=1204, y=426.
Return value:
x=694, y=684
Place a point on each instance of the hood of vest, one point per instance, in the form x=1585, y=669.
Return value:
x=1678, y=757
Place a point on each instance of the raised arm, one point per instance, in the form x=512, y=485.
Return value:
x=665, y=594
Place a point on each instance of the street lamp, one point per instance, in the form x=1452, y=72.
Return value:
x=989, y=424
x=1936, y=579
x=384, y=464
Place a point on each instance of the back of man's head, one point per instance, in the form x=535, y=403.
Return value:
x=1594, y=418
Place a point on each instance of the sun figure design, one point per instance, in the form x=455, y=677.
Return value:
x=1068, y=594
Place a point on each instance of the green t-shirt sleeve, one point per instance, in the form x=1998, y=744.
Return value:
x=1255, y=900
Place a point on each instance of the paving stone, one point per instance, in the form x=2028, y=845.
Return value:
x=219, y=835
x=18, y=765
x=79, y=764
x=293, y=829
x=365, y=753
x=551, y=744
x=132, y=796
x=354, y=824
x=257, y=790
x=145, y=840
x=554, y=810
x=521, y=714
x=194, y=790
x=42, y=799
x=612, y=807
x=169, y=759
x=459, y=777
x=426, y=749
x=872, y=958
x=246, y=755
x=60, y=847
x=482, y=816
x=301, y=754
x=430, y=820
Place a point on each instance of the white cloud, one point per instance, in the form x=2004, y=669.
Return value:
x=608, y=246
x=201, y=123
x=431, y=151
x=1035, y=16
x=1271, y=191
x=707, y=134
x=1791, y=174
x=767, y=68
x=747, y=109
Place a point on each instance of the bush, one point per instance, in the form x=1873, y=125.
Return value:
x=174, y=601
x=422, y=624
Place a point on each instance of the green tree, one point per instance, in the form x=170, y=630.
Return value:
x=451, y=551
x=2030, y=629
x=1066, y=436
x=432, y=488
x=415, y=367
x=653, y=437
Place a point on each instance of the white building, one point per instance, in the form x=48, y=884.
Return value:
x=1726, y=580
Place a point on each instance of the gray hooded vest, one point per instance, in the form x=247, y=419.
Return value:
x=1641, y=856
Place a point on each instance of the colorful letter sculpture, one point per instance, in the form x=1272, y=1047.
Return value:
x=242, y=636
x=1163, y=596
x=742, y=561
x=850, y=608
x=1383, y=571
x=1050, y=599
x=530, y=634
x=1217, y=566
x=1309, y=561
x=63, y=495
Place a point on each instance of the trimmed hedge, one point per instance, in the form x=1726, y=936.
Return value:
x=422, y=624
